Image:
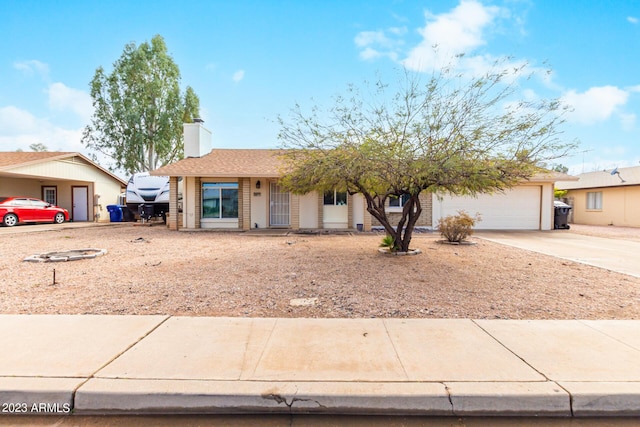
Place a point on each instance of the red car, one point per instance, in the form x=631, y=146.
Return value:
x=15, y=210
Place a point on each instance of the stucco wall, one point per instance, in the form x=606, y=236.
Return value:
x=620, y=206
x=260, y=203
x=309, y=210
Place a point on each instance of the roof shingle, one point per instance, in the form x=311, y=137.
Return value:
x=16, y=158
x=228, y=163
x=599, y=179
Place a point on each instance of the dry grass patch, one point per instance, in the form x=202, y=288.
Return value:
x=151, y=270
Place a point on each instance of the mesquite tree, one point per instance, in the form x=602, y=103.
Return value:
x=443, y=134
x=139, y=109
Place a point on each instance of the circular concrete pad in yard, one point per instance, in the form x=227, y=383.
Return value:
x=71, y=255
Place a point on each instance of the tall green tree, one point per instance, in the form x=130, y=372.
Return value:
x=446, y=134
x=139, y=109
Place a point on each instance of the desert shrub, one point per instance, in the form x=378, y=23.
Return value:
x=559, y=194
x=456, y=228
x=389, y=242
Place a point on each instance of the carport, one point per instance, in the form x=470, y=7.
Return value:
x=67, y=179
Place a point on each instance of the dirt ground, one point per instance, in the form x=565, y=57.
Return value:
x=151, y=270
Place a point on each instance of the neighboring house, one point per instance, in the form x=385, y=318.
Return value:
x=69, y=180
x=610, y=197
x=238, y=189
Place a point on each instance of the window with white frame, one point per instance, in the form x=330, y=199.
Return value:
x=219, y=200
x=334, y=197
x=594, y=200
x=398, y=202
x=49, y=195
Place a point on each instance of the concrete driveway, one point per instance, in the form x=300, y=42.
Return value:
x=34, y=228
x=618, y=255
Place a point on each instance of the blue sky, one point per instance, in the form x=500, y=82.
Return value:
x=250, y=61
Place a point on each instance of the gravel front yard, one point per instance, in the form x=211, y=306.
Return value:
x=151, y=270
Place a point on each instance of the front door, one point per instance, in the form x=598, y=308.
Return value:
x=80, y=201
x=278, y=206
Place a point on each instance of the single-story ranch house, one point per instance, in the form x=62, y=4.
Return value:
x=238, y=189
x=610, y=197
x=67, y=179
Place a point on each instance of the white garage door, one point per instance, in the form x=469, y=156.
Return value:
x=516, y=209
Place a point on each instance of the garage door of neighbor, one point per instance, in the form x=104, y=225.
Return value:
x=516, y=209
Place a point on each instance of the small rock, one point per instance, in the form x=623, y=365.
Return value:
x=303, y=302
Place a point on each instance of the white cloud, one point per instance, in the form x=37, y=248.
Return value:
x=634, y=89
x=20, y=128
x=14, y=121
x=460, y=31
x=366, y=38
x=64, y=98
x=370, y=53
x=31, y=67
x=446, y=36
x=632, y=19
x=376, y=44
x=595, y=105
x=238, y=75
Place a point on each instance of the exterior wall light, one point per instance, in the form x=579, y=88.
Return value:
x=258, y=184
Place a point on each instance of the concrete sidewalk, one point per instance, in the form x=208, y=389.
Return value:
x=178, y=365
x=622, y=256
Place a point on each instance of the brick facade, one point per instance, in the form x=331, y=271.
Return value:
x=198, y=201
x=173, y=203
x=244, y=203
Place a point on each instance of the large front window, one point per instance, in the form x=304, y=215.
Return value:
x=220, y=200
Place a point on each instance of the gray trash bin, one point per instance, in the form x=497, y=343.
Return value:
x=561, y=215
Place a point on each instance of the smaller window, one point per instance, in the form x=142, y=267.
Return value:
x=337, y=198
x=329, y=197
x=594, y=200
x=49, y=195
x=395, y=202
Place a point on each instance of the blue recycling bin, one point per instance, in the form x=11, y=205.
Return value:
x=115, y=213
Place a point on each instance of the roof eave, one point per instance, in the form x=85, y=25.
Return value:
x=159, y=172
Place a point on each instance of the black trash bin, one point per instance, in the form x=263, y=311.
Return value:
x=145, y=211
x=561, y=215
x=115, y=213
x=127, y=214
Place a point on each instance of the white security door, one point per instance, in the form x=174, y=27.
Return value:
x=80, y=199
x=278, y=206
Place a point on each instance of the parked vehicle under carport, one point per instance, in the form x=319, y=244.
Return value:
x=19, y=210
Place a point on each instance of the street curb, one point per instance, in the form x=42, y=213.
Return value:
x=118, y=396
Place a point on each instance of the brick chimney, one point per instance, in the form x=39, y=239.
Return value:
x=197, y=139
